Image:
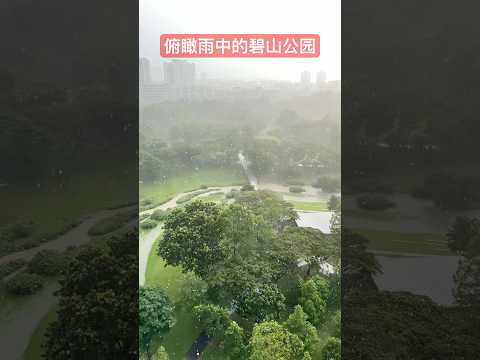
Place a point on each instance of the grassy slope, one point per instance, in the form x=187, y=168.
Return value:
x=161, y=192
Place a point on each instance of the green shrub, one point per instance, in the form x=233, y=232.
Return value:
x=17, y=231
x=231, y=195
x=159, y=215
x=10, y=267
x=296, y=189
x=112, y=223
x=46, y=263
x=247, y=187
x=24, y=284
x=327, y=183
x=148, y=224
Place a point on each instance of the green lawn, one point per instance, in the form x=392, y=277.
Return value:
x=52, y=207
x=160, y=192
x=432, y=244
x=34, y=350
x=184, y=333
x=309, y=206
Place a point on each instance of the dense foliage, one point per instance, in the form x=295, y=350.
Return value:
x=155, y=313
x=98, y=303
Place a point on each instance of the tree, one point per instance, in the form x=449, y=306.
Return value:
x=156, y=317
x=334, y=203
x=24, y=284
x=46, y=262
x=298, y=324
x=275, y=211
x=233, y=342
x=192, y=292
x=462, y=236
x=243, y=229
x=358, y=265
x=313, y=298
x=332, y=349
x=193, y=237
x=98, y=303
x=271, y=341
x=213, y=318
x=258, y=301
x=467, y=283
x=310, y=245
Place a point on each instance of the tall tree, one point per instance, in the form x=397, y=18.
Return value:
x=271, y=341
x=98, y=304
x=193, y=237
x=156, y=317
x=298, y=324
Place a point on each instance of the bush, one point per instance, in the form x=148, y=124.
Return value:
x=11, y=267
x=148, y=224
x=296, y=189
x=247, y=187
x=46, y=262
x=112, y=223
x=231, y=195
x=327, y=184
x=374, y=202
x=159, y=215
x=203, y=187
x=24, y=284
x=17, y=231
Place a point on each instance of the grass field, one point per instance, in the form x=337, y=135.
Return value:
x=183, y=334
x=34, y=350
x=51, y=207
x=429, y=244
x=309, y=206
x=160, y=192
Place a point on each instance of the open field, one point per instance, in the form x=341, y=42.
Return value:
x=52, y=208
x=159, y=192
x=309, y=206
x=429, y=244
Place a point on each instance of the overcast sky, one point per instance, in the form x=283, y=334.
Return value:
x=246, y=16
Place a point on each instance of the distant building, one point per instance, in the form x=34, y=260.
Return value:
x=321, y=77
x=179, y=73
x=145, y=76
x=306, y=77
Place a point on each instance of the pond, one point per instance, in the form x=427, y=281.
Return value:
x=317, y=220
x=422, y=275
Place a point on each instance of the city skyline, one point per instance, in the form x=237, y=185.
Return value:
x=308, y=16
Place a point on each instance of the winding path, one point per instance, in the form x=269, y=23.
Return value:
x=19, y=321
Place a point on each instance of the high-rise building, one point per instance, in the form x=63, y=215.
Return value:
x=179, y=72
x=144, y=73
x=321, y=77
x=305, y=77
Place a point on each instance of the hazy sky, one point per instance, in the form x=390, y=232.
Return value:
x=246, y=16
